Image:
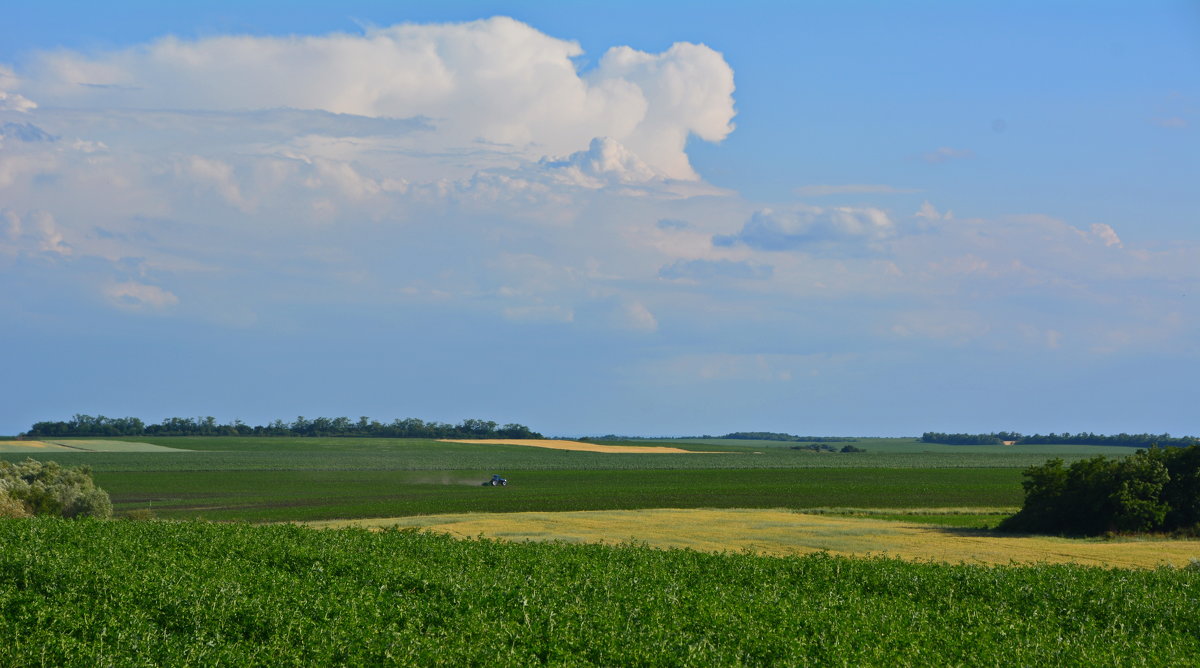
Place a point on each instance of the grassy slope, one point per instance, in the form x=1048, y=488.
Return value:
x=156, y=593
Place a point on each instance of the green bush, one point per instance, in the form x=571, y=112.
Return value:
x=11, y=507
x=46, y=488
x=1155, y=490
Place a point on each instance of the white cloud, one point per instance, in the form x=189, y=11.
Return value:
x=811, y=226
x=1106, y=234
x=34, y=233
x=688, y=89
x=9, y=100
x=930, y=213
x=218, y=176
x=498, y=81
x=605, y=161
x=635, y=316
x=51, y=239
x=138, y=296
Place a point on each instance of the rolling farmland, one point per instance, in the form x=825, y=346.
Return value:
x=767, y=576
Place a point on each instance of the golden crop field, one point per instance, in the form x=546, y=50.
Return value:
x=577, y=446
x=785, y=532
x=81, y=445
x=29, y=446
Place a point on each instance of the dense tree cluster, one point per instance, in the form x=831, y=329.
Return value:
x=1082, y=438
x=777, y=436
x=1129, y=440
x=92, y=426
x=1156, y=490
x=825, y=447
x=46, y=488
x=969, y=439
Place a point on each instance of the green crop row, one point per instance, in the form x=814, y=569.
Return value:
x=309, y=495
x=89, y=593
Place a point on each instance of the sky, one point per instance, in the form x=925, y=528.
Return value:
x=822, y=218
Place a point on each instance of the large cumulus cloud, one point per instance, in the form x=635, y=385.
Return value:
x=475, y=168
x=490, y=82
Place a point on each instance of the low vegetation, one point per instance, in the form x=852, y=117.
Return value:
x=46, y=488
x=165, y=593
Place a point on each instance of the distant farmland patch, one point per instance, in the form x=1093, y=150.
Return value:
x=579, y=446
x=29, y=446
x=82, y=445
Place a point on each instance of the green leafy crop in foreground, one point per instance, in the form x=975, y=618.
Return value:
x=158, y=593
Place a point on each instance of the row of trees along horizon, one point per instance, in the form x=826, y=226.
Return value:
x=99, y=425
x=1082, y=438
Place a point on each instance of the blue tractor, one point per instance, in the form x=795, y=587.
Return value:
x=496, y=480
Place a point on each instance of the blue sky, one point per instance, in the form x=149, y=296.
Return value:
x=642, y=218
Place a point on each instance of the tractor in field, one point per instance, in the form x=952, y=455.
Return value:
x=496, y=480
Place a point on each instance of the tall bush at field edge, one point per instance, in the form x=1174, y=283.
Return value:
x=47, y=488
x=1150, y=491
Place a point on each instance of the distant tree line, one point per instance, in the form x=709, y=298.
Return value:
x=777, y=436
x=99, y=425
x=1156, y=490
x=966, y=439
x=1082, y=438
x=825, y=447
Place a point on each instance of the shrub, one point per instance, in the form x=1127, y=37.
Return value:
x=140, y=515
x=12, y=507
x=50, y=489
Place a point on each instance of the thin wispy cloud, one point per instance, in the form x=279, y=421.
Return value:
x=946, y=154
x=851, y=189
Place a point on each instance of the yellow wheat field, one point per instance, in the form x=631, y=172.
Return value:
x=785, y=532
x=83, y=445
x=577, y=446
x=29, y=446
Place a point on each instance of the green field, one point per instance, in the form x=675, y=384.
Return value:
x=89, y=593
x=279, y=478
x=307, y=495
x=354, y=454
